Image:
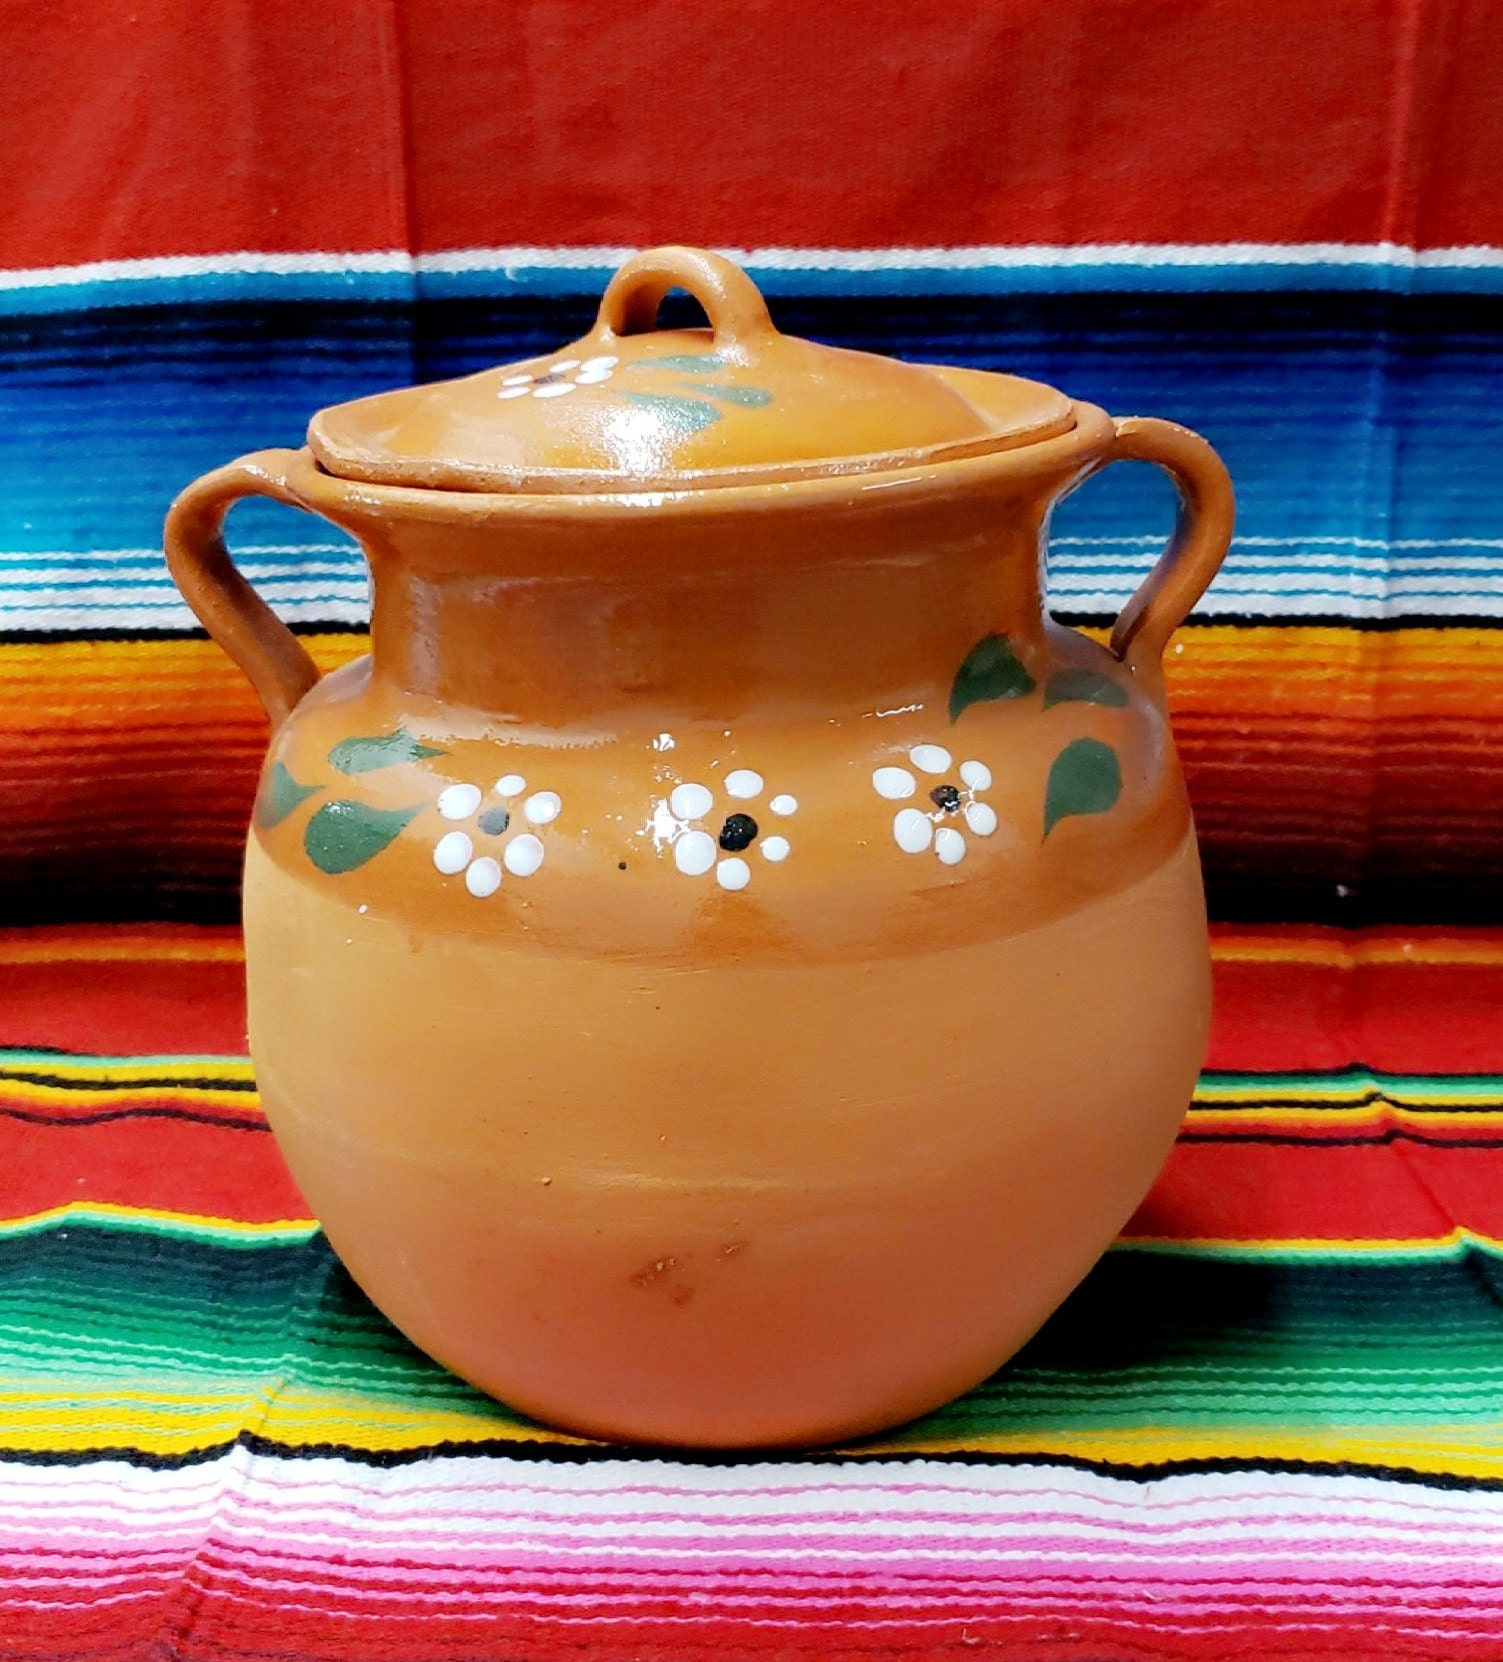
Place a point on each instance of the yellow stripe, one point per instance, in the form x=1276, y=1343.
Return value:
x=1348, y=952
x=1452, y=1244
x=181, y=1423
x=154, y=1218
x=1332, y=1119
x=164, y=1422
x=43, y=947
x=112, y=1071
x=1459, y=1450
x=52, y=1096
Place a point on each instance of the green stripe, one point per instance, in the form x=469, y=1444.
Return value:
x=1349, y=1083
x=1151, y=1339
x=93, y=1060
x=1341, y=1084
x=210, y=1231
x=1325, y=1252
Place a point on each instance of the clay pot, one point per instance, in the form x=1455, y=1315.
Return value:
x=727, y=962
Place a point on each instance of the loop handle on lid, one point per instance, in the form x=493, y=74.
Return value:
x=732, y=302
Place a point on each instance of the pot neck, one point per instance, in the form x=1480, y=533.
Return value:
x=685, y=620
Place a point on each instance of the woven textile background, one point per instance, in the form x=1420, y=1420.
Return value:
x=1271, y=1423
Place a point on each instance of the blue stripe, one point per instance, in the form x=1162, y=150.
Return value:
x=1346, y=420
x=1138, y=276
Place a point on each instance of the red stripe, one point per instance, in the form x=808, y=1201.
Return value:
x=1270, y=1016
x=124, y=1008
x=151, y=130
x=1253, y=1192
x=208, y=1622
x=164, y=1165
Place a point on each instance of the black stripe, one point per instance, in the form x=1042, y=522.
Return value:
x=226, y=1122
x=1074, y=620
x=152, y=1082
x=1400, y=1134
x=540, y=1452
x=1371, y=1099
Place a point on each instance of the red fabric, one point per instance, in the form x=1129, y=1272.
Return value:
x=281, y=125
x=1399, y=1014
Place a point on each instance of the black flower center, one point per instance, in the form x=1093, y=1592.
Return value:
x=738, y=832
x=946, y=797
x=494, y=821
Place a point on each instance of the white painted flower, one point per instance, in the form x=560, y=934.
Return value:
x=918, y=828
x=682, y=820
x=560, y=378
x=518, y=810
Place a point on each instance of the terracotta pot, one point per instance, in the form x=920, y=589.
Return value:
x=727, y=962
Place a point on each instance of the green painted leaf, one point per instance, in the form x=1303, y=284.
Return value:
x=1084, y=686
x=1086, y=779
x=682, y=415
x=991, y=670
x=754, y=398
x=686, y=363
x=280, y=795
x=343, y=835
x=386, y=750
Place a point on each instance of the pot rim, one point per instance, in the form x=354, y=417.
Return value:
x=1062, y=455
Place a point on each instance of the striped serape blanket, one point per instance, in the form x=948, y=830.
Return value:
x=1270, y=1424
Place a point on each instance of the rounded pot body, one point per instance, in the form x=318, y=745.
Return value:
x=722, y=970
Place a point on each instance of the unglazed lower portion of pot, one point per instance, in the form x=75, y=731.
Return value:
x=731, y=1201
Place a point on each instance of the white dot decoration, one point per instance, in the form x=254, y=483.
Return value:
x=743, y=784
x=949, y=845
x=733, y=874
x=930, y=758
x=976, y=776
x=543, y=807
x=694, y=853
x=604, y=361
x=981, y=817
x=911, y=830
x=553, y=389
x=562, y=365
x=452, y=851
x=483, y=877
x=514, y=392
x=510, y=784
x=775, y=848
x=690, y=801
x=517, y=381
x=588, y=377
x=784, y=804
x=459, y=801
x=894, y=783
x=523, y=855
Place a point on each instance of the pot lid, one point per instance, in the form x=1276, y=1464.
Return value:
x=631, y=406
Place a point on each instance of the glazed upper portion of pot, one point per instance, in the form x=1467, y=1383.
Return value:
x=629, y=406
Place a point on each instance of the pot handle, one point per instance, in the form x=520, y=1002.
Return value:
x=1202, y=533
x=272, y=658
x=732, y=301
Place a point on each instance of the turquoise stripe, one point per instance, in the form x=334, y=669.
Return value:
x=1138, y=276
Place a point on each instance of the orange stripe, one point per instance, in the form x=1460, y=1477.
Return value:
x=1346, y=678
x=1230, y=944
x=139, y=943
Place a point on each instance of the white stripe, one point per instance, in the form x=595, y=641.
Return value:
x=1356, y=256
x=477, y=1509
x=1389, y=255
x=1149, y=541
x=203, y=265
